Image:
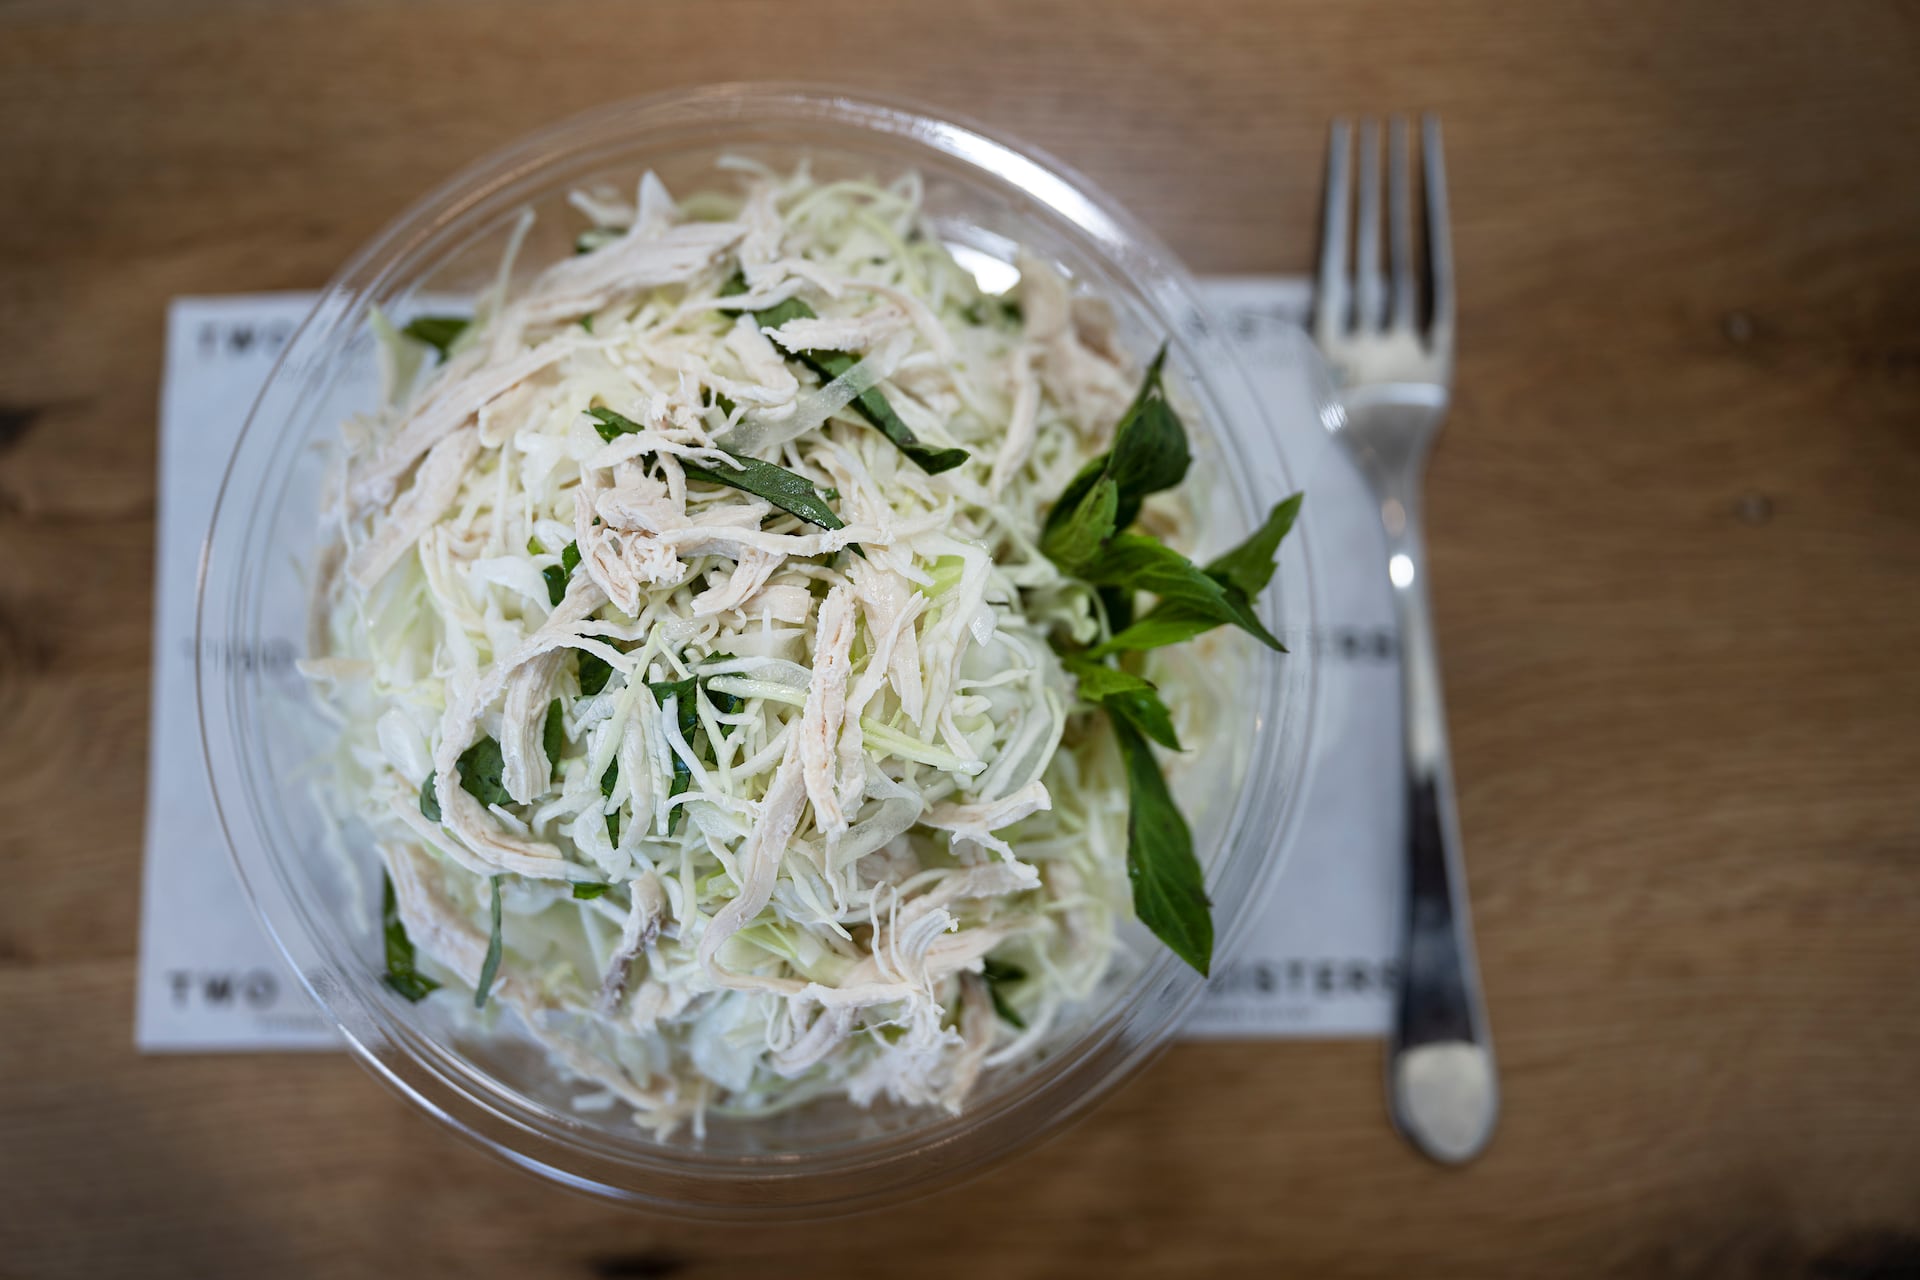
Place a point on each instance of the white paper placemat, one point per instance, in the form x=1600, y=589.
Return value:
x=1318, y=964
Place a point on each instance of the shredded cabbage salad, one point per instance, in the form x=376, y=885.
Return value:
x=695, y=631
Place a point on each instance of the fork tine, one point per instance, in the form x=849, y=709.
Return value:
x=1369, y=295
x=1439, y=235
x=1400, y=223
x=1330, y=299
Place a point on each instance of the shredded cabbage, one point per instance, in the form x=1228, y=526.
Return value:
x=795, y=876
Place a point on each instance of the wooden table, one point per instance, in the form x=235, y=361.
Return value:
x=1676, y=539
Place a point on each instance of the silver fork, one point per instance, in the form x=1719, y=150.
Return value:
x=1393, y=380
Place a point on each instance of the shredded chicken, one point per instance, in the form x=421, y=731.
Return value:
x=433, y=488
x=647, y=257
x=826, y=708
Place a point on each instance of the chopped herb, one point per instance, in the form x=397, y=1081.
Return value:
x=438, y=332
x=727, y=704
x=1169, y=891
x=570, y=557
x=1000, y=971
x=429, y=801
x=687, y=718
x=787, y=490
x=585, y=891
x=480, y=770
x=871, y=403
x=553, y=734
x=556, y=579
x=586, y=322
x=534, y=548
x=608, y=780
x=595, y=237
x=595, y=671
x=490, y=967
x=401, y=976
x=612, y=426
x=1001, y=312
x=999, y=975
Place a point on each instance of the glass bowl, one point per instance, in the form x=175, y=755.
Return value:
x=316, y=888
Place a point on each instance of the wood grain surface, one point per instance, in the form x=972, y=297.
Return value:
x=1675, y=522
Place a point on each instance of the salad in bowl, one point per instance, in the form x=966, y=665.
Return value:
x=763, y=648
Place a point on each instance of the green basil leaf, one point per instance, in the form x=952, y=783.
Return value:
x=1098, y=681
x=1004, y=1008
x=1073, y=540
x=570, y=557
x=1149, y=451
x=780, y=312
x=607, y=782
x=1169, y=890
x=586, y=892
x=1126, y=695
x=871, y=403
x=437, y=332
x=401, y=976
x=1249, y=567
x=1157, y=630
x=1146, y=712
x=1000, y=971
x=682, y=780
x=1172, y=622
x=686, y=705
x=553, y=734
x=556, y=578
x=999, y=975
x=1075, y=493
x=1141, y=563
x=687, y=717
x=787, y=490
x=480, y=770
x=594, y=238
x=595, y=671
x=611, y=425
x=429, y=800
x=1001, y=313
x=1118, y=602
x=1149, y=454
x=490, y=967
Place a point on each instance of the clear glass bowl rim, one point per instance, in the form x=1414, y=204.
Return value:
x=900, y=1164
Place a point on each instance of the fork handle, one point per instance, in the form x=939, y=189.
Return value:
x=1441, y=1077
